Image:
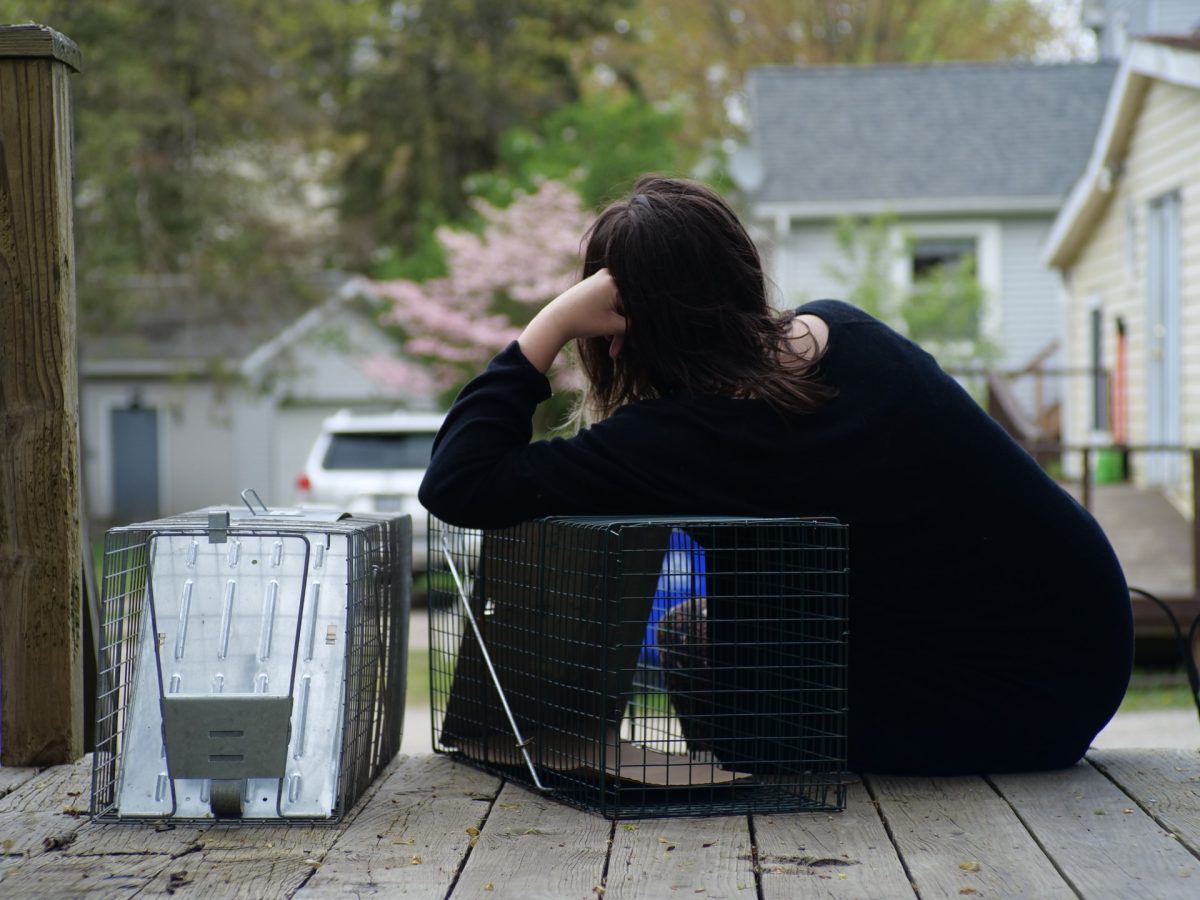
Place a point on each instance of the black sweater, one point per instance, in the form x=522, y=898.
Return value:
x=990, y=619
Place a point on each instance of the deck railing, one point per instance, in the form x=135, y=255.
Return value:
x=1127, y=452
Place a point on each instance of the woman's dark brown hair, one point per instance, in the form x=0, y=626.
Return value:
x=694, y=297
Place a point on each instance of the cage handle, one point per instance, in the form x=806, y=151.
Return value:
x=257, y=499
x=522, y=744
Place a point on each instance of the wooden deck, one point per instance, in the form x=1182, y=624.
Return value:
x=1126, y=823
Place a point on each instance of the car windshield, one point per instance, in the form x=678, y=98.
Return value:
x=380, y=450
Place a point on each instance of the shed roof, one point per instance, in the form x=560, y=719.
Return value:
x=1019, y=134
x=176, y=329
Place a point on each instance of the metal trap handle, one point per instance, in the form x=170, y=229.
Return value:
x=522, y=743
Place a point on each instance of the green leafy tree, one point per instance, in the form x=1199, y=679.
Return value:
x=942, y=309
x=436, y=91
x=866, y=250
x=695, y=53
x=200, y=136
x=598, y=144
x=635, y=138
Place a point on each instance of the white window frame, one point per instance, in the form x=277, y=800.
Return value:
x=987, y=236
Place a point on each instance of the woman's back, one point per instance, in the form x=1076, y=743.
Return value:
x=990, y=621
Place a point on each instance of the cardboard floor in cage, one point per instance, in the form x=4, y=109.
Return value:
x=626, y=760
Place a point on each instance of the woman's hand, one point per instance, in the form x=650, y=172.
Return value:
x=591, y=308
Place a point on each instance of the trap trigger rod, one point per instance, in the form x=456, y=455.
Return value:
x=522, y=743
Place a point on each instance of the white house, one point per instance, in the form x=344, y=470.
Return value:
x=1118, y=22
x=970, y=158
x=1128, y=244
x=188, y=409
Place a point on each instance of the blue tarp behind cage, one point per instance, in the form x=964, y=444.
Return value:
x=683, y=577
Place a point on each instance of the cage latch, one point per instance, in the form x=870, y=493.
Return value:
x=218, y=527
x=228, y=740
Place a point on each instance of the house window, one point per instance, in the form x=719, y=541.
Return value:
x=947, y=255
x=946, y=302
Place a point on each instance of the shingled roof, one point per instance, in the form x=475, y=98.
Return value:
x=1012, y=135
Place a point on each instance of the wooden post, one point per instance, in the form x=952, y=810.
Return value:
x=41, y=712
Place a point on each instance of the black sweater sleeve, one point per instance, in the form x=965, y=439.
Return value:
x=478, y=446
x=485, y=473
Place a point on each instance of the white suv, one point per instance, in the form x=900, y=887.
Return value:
x=373, y=462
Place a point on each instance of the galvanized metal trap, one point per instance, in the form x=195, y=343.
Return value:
x=251, y=665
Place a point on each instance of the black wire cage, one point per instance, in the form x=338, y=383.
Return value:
x=251, y=664
x=643, y=667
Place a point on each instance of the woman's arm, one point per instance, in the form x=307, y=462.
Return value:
x=590, y=308
x=484, y=471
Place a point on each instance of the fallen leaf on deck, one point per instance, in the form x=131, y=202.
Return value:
x=405, y=841
x=415, y=861
x=628, y=827
x=967, y=890
x=473, y=831
x=57, y=841
x=510, y=805
x=971, y=866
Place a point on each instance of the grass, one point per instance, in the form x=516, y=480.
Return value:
x=1156, y=689
x=417, y=693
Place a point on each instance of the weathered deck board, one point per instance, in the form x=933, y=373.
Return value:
x=54, y=875
x=412, y=839
x=956, y=833
x=1166, y=786
x=660, y=857
x=534, y=847
x=102, y=840
x=53, y=789
x=1126, y=824
x=1098, y=838
x=253, y=879
x=846, y=854
x=13, y=778
x=48, y=808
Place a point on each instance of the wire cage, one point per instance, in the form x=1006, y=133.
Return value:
x=643, y=667
x=251, y=664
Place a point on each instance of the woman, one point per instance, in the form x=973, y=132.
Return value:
x=990, y=620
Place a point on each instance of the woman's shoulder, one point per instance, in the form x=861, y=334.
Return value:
x=834, y=312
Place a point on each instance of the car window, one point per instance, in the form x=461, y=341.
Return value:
x=379, y=450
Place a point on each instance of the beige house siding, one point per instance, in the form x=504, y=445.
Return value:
x=1111, y=268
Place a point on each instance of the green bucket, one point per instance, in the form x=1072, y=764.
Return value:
x=1110, y=466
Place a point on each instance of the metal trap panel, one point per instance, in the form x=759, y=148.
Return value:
x=266, y=651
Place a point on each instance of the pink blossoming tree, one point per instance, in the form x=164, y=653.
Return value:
x=524, y=256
